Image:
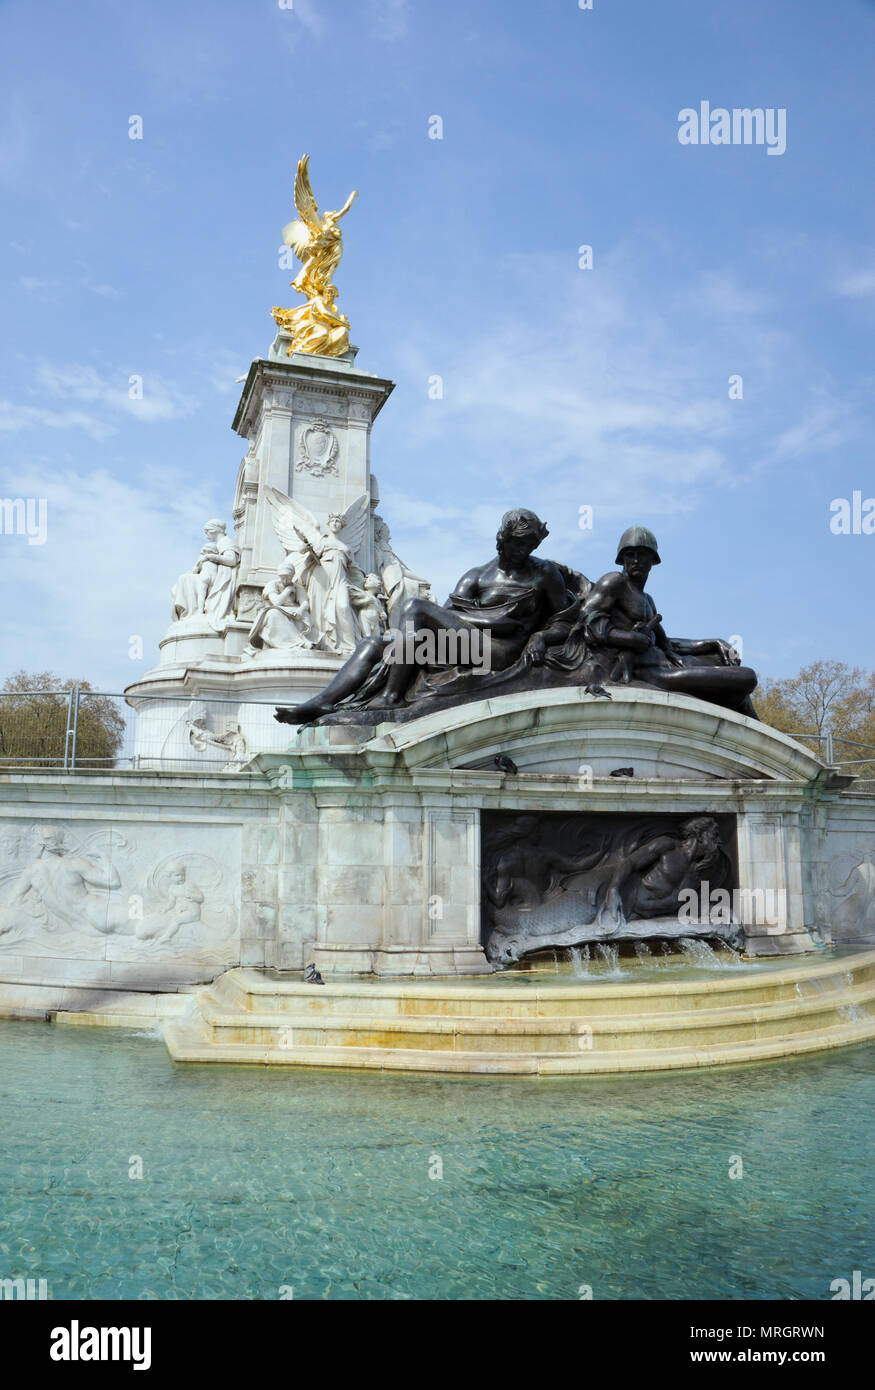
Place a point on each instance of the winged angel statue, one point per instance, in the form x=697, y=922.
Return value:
x=316, y=239
x=338, y=592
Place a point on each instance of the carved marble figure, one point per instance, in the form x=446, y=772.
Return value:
x=210, y=586
x=370, y=606
x=231, y=741
x=283, y=620
x=180, y=906
x=399, y=581
x=324, y=563
x=60, y=888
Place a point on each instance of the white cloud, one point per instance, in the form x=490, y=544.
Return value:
x=107, y=396
x=310, y=16
x=857, y=284
x=611, y=390
x=822, y=429
x=301, y=21
x=45, y=291
x=721, y=292
x=112, y=552
x=102, y=289
x=14, y=416
x=117, y=392
x=593, y=398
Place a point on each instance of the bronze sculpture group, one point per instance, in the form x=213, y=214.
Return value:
x=545, y=625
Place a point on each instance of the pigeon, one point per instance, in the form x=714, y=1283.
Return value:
x=622, y=772
x=312, y=976
x=504, y=763
x=598, y=690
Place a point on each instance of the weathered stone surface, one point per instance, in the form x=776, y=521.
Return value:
x=363, y=852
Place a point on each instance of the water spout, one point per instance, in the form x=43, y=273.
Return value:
x=580, y=968
x=611, y=957
x=700, y=954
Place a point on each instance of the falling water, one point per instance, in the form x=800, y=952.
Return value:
x=699, y=953
x=735, y=961
x=642, y=951
x=579, y=963
x=611, y=957
x=846, y=1008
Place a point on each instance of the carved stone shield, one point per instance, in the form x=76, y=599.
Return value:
x=317, y=453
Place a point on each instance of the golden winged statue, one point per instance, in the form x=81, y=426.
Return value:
x=316, y=239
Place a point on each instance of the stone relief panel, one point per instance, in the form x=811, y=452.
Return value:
x=139, y=893
x=552, y=880
x=844, y=882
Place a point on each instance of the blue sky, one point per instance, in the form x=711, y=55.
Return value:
x=563, y=387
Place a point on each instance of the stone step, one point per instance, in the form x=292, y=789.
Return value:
x=738, y=1023
x=587, y=1027
x=262, y=992
x=188, y=1041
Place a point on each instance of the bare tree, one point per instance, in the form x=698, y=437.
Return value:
x=827, y=697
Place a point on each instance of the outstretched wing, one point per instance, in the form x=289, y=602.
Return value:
x=355, y=519
x=304, y=200
x=287, y=515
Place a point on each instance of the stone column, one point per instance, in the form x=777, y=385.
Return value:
x=308, y=420
x=770, y=877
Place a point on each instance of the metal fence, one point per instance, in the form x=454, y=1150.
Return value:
x=825, y=746
x=80, y=730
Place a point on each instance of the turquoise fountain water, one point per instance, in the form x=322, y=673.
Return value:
x=255, y=1179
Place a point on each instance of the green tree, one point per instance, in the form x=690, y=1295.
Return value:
x=33, y=722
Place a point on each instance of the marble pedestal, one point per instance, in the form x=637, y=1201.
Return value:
x=386, y=822
x=360, y=848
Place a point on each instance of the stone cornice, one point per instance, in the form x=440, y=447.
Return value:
x=316, y=380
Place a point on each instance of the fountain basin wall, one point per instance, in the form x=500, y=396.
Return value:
x=359, y=848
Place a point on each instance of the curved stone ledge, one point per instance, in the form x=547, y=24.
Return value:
x=556, y=731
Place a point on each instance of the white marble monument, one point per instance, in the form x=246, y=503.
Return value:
x=271, y=612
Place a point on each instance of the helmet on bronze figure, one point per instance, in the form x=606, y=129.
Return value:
x=638, y=536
